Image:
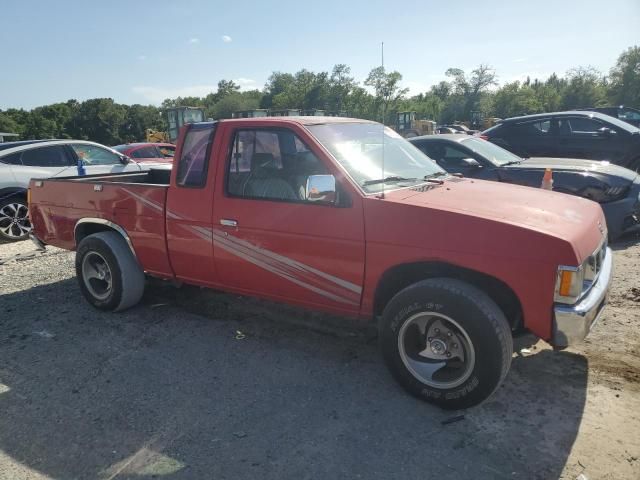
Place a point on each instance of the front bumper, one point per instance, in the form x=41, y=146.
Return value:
x=572, y=323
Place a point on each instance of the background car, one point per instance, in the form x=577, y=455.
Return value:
x=626, y=114
x=148, y=152
x=447, y=130
x=617, y=189
x=573, y=134
x=461, y=128
x=21, y=161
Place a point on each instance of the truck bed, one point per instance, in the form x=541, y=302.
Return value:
x=67, y=208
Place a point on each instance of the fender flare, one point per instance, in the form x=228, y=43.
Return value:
x=104, y=225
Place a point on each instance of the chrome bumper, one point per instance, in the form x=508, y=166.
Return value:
x=572, y=323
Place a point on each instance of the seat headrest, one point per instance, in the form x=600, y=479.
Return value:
x=436, y=152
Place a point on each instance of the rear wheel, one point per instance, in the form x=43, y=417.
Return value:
x=446, y=342
x=108, y=273
x=14, y=220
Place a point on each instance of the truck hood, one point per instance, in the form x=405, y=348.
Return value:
x=572, y=219
x=576, y=165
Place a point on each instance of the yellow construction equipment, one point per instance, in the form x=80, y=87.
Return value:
x=408, y=126
x=155, y=136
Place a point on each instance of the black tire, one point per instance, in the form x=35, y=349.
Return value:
x=11, y=231
x=482, y=323
x=125, y=284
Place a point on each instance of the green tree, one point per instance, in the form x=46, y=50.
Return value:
x=8, y=124
x=624, y=79
x=467, y=91
x=341, y=84
x=514, y=99
x=99, y=120
x=138, y=118
x=388, y=92
x=233, y=103
x=278, y=83
x=585, y=88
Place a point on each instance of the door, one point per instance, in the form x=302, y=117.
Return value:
x=532, y=138
x=582, y=137
x=269, y=240
x=97, y=160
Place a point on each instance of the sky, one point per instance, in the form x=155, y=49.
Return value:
x=144, y=51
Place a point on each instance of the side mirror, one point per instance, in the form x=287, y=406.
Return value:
x=124, y=159
x=471, y=163
x=606, y=132
x=321, y=188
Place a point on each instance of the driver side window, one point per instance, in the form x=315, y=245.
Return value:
x=270, y=164
x=448, y=156
x=94, y=155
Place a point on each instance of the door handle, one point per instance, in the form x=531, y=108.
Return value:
x=228, y=222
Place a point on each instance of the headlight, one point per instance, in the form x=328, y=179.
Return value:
x=569, y=284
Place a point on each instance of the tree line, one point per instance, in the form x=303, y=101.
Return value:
x=105, y=121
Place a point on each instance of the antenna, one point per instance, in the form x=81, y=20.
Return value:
x=383, y=115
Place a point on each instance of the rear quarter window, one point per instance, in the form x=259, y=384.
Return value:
x=194, y=158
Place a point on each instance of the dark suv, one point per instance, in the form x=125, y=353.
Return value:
x=574, y=134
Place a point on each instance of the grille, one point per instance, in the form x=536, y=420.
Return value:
x=593, y=265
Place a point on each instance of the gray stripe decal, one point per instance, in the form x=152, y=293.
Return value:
x=270, y=261
x=225, y=244
x=295, y=264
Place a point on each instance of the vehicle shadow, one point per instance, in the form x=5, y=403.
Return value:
x=239, y=391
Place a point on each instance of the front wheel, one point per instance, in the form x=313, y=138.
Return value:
x=446, y=342
x=108, y=273
x=14, y=220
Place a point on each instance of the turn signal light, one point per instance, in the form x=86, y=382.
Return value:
x=566, y=280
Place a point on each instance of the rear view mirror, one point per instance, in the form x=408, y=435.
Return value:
x=321, y=188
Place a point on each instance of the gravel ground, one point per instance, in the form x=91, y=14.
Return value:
x=199, y=384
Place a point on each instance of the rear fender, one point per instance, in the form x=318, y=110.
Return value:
x=88, y=226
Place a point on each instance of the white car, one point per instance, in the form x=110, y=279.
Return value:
x=22, y=161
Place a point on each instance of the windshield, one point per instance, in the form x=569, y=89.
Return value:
x=359, y=149
x=490, y=151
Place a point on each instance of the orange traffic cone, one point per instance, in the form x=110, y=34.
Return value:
x=547, y=180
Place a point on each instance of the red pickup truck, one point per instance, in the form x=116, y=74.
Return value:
x=343, y=216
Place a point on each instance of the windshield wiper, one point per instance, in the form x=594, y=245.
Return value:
x=432, y=177
x=435, y=174
x=387, y=180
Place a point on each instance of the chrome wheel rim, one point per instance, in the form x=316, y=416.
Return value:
x=436, y=350
x=14, y=220
x=96, y=275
